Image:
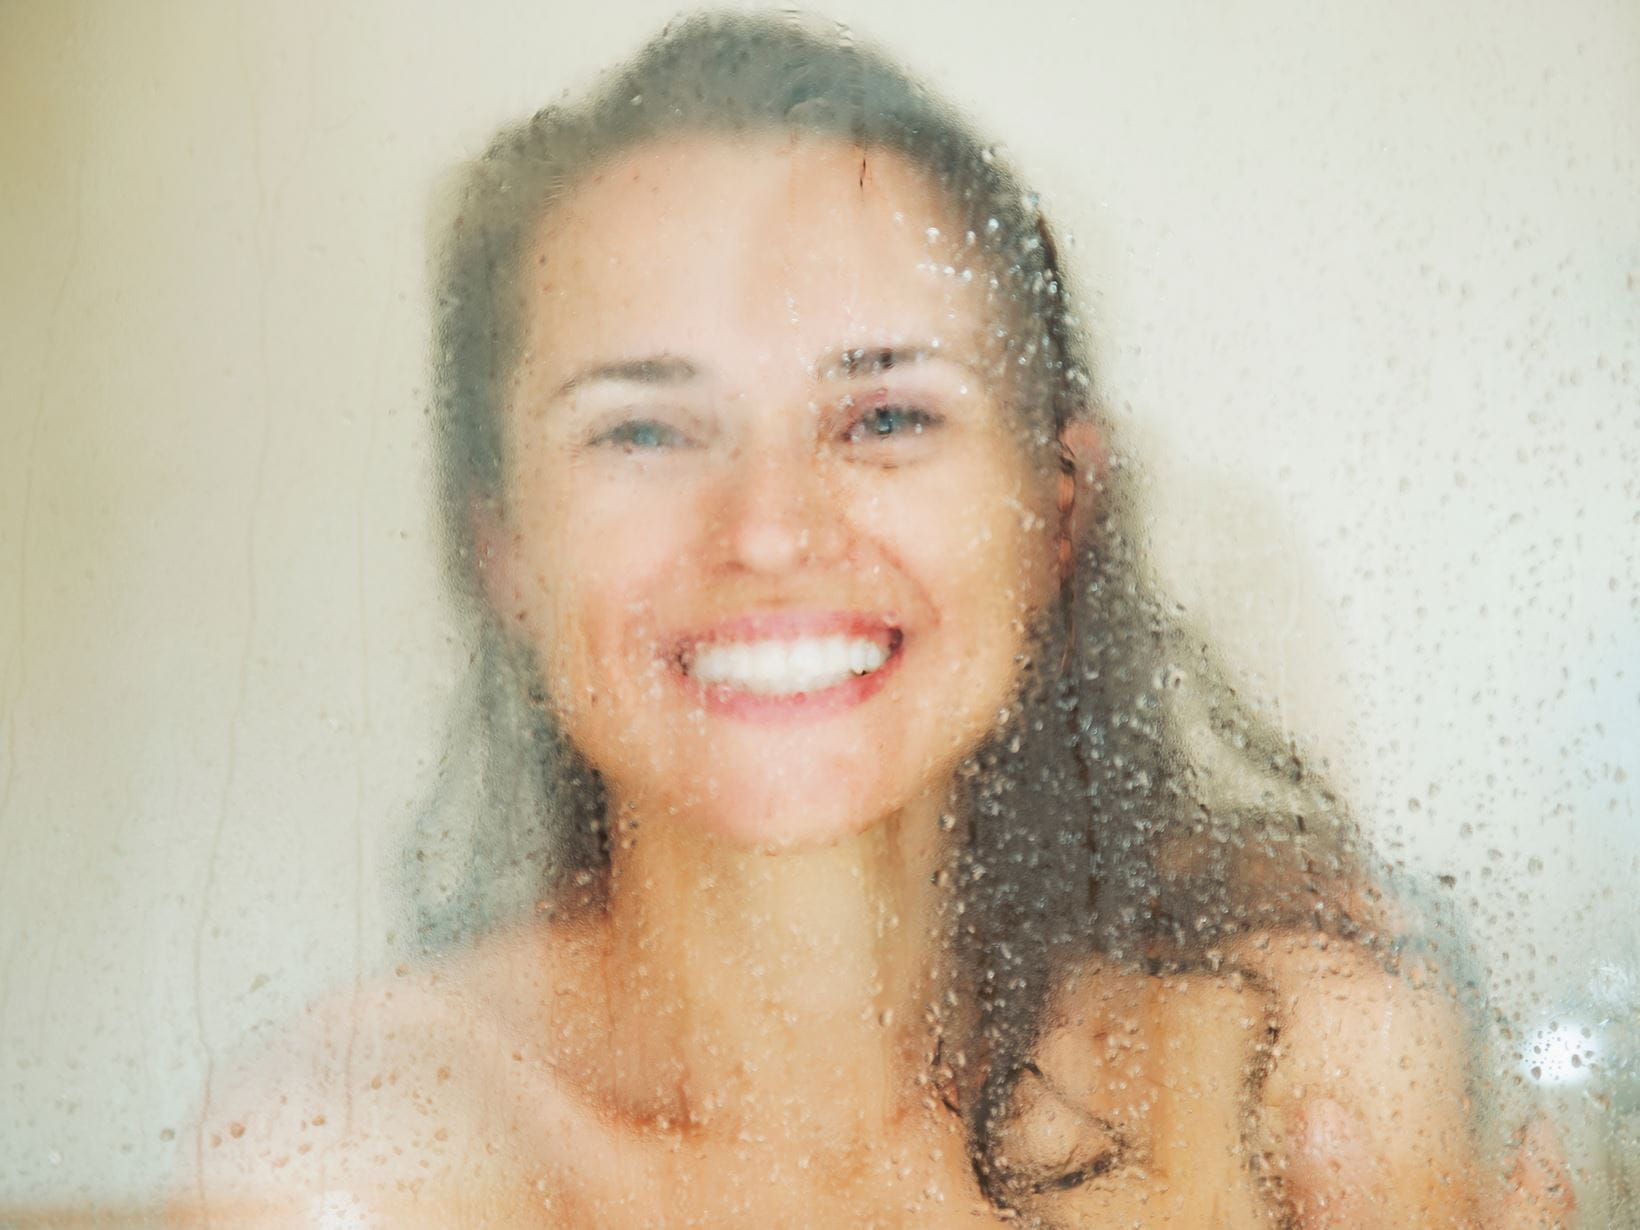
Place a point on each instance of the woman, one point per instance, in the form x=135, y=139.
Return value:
x=891, y=855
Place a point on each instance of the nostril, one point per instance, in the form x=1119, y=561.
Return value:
x=776, y=518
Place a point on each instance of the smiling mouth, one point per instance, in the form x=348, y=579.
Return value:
x=789, y=666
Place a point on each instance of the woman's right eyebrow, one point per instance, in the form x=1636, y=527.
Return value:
x=655, y=369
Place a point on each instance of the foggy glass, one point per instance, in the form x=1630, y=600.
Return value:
x=1353, y=305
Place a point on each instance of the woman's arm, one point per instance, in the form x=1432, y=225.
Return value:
x=1369, y=1102
x=1359, y=1045
x=1302, y=1085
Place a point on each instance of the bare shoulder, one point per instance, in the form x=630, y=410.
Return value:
x=1189, y=1086
x=1385, y=1035
x=1382, y=1043
x=428, y=1091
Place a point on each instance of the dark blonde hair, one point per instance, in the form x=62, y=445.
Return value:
x=1131, y=805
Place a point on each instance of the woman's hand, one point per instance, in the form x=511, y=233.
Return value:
x=1336, y=1178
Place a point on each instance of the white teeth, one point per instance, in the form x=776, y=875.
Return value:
x=768, y=661
x=774, y=668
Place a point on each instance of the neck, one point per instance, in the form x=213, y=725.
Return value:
x=797, y=990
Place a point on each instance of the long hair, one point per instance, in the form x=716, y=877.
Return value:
x=1131, y=805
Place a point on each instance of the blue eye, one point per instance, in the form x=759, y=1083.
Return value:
x=890, y=422
x=642, y=435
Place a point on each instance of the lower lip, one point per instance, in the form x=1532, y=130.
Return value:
x=746, y=706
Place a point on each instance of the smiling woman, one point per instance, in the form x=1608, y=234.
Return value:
x=811, y=386
x=858, y=838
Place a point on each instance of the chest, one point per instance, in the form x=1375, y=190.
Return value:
x=915, y=1175
x=1141, y=1107
x=1144, y=1106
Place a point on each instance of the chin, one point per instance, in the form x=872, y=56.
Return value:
x=791, y=829
x=782, y=817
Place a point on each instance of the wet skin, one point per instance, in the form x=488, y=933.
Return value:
x=760, y=401
x=478, y=1096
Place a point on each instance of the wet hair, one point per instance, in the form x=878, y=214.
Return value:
x=1131, y=807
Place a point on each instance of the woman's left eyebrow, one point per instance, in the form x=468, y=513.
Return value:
x=857, y=361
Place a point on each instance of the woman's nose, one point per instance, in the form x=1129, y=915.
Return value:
x=778, y=510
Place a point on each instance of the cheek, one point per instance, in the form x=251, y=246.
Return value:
x=984, y=564
x=596, y=559
x=985, y=559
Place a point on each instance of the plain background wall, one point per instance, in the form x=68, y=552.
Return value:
x=1366, y=287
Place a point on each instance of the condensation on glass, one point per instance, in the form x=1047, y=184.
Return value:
x=1031, y=621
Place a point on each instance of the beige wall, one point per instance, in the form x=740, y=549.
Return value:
x=1366, y=282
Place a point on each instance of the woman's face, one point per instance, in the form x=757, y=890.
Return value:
x=772, y=529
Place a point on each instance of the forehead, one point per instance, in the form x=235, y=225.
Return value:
x=782, y=247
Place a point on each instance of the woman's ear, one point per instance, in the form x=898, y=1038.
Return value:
x=1085, y=458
